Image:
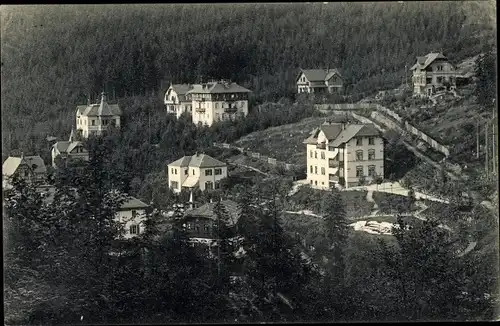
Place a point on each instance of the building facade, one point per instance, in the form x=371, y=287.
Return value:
x=132, y=214
x=199, y=170
x=69, y=151
x=319, y=81
x=201, y=222
x=344, y=154
x=94, y=119
x=177, y=101
x=28, y=168
x=431, y=73
x=218, y=101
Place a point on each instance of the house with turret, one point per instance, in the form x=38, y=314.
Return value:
x=94, y=119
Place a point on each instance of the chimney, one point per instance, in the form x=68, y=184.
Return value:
x=22, y=155
x=88, y=99
x=343, y=125
x=103, y=99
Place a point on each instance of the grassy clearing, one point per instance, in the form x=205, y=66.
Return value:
x=390, y=203
x=283, y=142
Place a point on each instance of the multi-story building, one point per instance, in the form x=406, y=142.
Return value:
x=201, y=222
x=29, y=168
x=132, y=214
x=177, y=100
x=69, y=151
x=199, y=170
x=431, y=73
x=343, y=154
x=93, y=119
x=218, y=100
x=320, y=81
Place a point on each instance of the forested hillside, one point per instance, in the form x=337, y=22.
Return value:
x=52, y=56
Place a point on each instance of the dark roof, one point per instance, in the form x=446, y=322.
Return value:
x=207, y=211
x=218, y=87
x=336, y=136
x=101, y=109
x=331, y=131
x=198, y=160
x=425, y=61
x=181, y=89
x=131, y=203
x=66, y=146
x=319, y=74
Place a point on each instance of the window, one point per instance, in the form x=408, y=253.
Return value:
x=322, y=155
x=371, y=140
x=315, y=154
x=371, y=154
x=217, y=185
x=371, y=170
x=440, y=80
x=311, y=169
x=359, y=171
x=105, y=122
x=311, y=154
x=359, y=141
x=216, y=105
x=359, y=155
x=208, y=172
x=218, y=171
x=315, y=170
x=93, y=122
x=172, y=170
x=186, y=172
x=206, y=229
x=311, y=182
x=134, y=229
x=134, y=213
x=193, y=171
x=315, y=183
x=209, y=185
x=323, y=171
x=26, y=173
x=174, y=184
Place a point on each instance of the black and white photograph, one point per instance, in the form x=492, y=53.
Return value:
x=253, y=162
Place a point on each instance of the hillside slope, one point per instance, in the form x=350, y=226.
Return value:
x=52, y=56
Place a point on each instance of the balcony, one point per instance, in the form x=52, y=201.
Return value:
x=200, y=110
x=333, y=163
x=231, y=110
x=321, y=146
x=333, y=178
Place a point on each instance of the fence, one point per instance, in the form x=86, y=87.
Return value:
x=345, y=106
x=343, y=109
x=266, y=159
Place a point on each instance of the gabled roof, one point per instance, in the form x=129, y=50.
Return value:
x=100, y=109
x=35, y=163
x=217, y=87
x=133, y=203
x=197, y=160
x=336, y=135
x=66, y=146
x=425, y=61
x=207, y=211
x=318, y=74
x=181, y=89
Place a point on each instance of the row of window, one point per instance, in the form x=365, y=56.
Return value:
x=217, y=171
x=371, y=171
x=359, y=155
x=209, y=185
x=105, y=122
x=359, y=170
x=371, y=155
